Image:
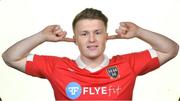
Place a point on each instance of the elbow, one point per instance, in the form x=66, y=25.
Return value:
x=4, y=56
x=6, y=59
x=175, y=50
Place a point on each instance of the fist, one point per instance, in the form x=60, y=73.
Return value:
x=54, y=33
x=126, y=30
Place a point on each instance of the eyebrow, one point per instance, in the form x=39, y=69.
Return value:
x=93, y=31
x=98, y=30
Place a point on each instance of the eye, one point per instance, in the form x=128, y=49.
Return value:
x=84, y=33
x=98, y=33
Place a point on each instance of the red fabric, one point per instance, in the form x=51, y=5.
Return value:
x=99, y=85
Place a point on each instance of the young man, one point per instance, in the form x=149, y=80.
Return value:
x=92, y=76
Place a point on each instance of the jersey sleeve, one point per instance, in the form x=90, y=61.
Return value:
x=143, y=62
x=40, y=66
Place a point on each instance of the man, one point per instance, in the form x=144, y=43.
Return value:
x=92, y=76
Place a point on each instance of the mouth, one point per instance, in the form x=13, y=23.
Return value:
x=92, y=47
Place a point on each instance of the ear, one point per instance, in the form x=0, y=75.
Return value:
x=106, y=36
x=74, y=37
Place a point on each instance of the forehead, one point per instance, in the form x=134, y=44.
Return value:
x=89, y=24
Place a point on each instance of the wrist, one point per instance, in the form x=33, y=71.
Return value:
x=41, y=36
x=139, y=32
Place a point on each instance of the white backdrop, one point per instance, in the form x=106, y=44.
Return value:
x=22, y=18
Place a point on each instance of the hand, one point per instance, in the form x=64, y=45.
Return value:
x=54, y=33
x=126, y=30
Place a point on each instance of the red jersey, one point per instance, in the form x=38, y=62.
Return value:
x=113, y=82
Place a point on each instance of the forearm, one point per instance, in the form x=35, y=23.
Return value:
x=166, y=48
x=158, y=42
x=22, y=48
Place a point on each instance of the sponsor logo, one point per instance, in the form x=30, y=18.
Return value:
x=113, y=72
x=73, y=90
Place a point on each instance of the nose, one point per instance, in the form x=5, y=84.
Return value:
x=92, y=38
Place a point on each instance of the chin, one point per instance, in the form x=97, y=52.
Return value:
x=93, y=56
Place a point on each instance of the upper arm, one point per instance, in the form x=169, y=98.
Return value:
x=19, y=65
x=168, y=52
x=163, y=57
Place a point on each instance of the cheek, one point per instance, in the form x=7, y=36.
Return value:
x=103, y=44
x=78, y=40
x=103, y=40
x=80, y=43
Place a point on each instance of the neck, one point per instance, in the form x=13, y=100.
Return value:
x=92, y=62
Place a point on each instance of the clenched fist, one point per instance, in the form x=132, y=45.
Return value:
x=126, y=30
x=54, y=33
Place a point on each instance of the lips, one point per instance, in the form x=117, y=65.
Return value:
x=92, y=47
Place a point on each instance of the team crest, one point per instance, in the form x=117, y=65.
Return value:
x=113, y=72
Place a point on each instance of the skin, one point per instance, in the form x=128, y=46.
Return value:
x=91, y=37
x=91, y=44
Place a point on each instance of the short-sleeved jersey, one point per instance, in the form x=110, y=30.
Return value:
x=113, y=82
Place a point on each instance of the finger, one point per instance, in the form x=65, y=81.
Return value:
x=111, y=37
x=121, y=31
x=123, y=24
x=52, y=26
x=56, y=28
x=69, y=39
x=59, y=32
x=62, y=37
x=123, y=28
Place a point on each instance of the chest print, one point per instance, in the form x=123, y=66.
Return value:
x=113, y=72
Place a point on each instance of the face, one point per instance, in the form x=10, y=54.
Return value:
x=90, y=36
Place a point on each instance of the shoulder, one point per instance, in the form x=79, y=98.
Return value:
x=48, y=58
x=132, y=55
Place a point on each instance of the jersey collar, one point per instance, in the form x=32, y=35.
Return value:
x=82, y=65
